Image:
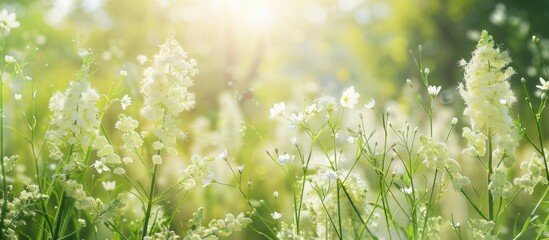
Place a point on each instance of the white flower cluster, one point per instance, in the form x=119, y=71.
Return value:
x=326, y=103
x=165, y=88
x=435, y=155
x=20, y=207
x=320, y=203
x=217, y=228
x=107, y=157
x=499, y=185
x=198, y=168
x=10, y=162
x=132, y=139
x=99, y=211
x=74, y=115
x=488, y=96
x=482, y=229
x=534, y=174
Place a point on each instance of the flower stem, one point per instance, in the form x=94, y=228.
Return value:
x=59, y=216
x=150, y=202
x=490, y=172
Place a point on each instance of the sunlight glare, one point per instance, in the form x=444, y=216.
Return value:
x=261, y=16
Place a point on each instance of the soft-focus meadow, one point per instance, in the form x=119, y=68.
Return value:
x=264, y=119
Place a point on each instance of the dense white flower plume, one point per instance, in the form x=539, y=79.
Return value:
x=488, y=97
x=165, y=89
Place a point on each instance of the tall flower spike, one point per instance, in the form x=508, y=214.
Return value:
x=165, y=90
x=488, y=97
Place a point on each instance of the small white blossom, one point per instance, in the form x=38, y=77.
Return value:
x=286, y=159
x=142, y=59
x=433, y=90
x=295, y=120
x=276, y=215
x=349, y=98
x=125, y=102
x=18, y=96
x=275, y=194
x=81, y=222
x=371, y=104
x=127, y=160
x=544, y=84
x=123, y=73
x=454, y=121
x=82, y=52
x=278, y=109
x=157, y=145
x=240, y=168
x=409, y=82
x=157, y=159
x=119, y=171
x=208, y=180
x=293, y=140
x=8, y=20
x=100, y=166
x=109, y=185
x=9, y=59
x=222, y=156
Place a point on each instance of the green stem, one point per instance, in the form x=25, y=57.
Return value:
x=429, y=203
x=59, y=216
x=150, y=202
x=490, y=172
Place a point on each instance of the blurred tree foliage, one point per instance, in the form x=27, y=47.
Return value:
x=364, y=42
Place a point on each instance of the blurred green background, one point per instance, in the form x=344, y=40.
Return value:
x=253, y=53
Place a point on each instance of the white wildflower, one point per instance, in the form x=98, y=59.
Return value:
x=81, y=222
x=222, y=156
x=544, y=84
x=486, y=86
x=8, y=20
x=157, y=159
x=119, y=171
x=327, y=103
x=499, y=186
x=142, y=59
x=109, y=185
x=100, y=166
x=286, y=159
x=433, y=90
x=125, y=102
x=278, y=109
x=123, y=73
x=165, y=88
x=276, y=215
x=349, y=98
x=371, y=104
x=293, y=140
x=9, y=59
x=208, y=179
x=17, y=96
x=295, y=120
x=74, y=116
x=127, y=160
